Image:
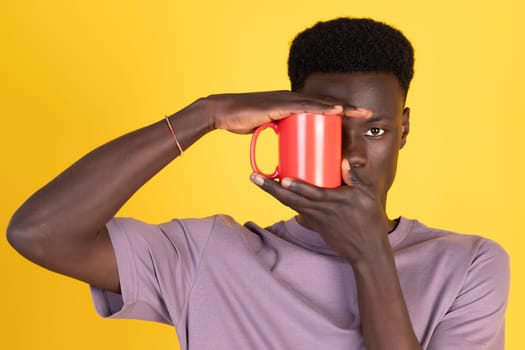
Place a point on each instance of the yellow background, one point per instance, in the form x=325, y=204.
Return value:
x=75, y=74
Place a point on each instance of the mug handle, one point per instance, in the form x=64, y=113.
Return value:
x=253, y=142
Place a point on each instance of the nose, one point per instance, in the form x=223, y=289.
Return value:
x=354, y=150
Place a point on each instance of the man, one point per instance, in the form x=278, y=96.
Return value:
x=340, y=275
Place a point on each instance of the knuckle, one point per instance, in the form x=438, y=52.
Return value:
x=293, y=201
x=268, y=186
x=319, y=196
x=305, y=105
x=346, y=200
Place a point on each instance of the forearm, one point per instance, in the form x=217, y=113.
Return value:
x=384, y=316
x=80, y=201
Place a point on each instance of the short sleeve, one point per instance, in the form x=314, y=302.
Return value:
x=157, y=266
x=476, y=319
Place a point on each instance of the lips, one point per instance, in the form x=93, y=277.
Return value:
x=350, y=174
x=355, y=179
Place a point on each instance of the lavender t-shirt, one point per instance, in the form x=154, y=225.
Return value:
x=227, y=286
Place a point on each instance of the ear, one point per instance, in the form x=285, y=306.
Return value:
x=405, y=126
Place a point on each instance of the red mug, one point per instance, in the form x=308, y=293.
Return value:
x=309, y=148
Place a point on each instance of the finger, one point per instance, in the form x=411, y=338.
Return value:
x=345, y=172
x=295, y=102
x=304, y=189
x=354, y=112
x=314, y=193
x=305, y=99
x=356, y=183
x=283, y=195
x=305, y=106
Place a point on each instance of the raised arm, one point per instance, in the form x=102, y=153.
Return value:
x=62, y=226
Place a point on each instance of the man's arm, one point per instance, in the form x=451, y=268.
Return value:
x=352, y=221
x=384, y=316
x=62, y=226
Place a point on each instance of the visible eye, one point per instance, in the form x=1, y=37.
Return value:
x=375, y=132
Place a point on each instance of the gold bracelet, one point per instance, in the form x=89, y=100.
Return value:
x=174, y=136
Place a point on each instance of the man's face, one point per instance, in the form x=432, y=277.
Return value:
x=370, y=145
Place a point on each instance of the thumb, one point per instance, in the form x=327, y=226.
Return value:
x=357, y=184
x=345, y=172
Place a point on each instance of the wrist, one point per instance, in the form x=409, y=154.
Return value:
x=204, y=110
x=209, y=107
x=188, y=125
x=198, y=116
x=379, y=261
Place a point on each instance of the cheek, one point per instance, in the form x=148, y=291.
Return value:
x=383, y=161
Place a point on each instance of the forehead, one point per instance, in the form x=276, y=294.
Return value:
x=379, y=92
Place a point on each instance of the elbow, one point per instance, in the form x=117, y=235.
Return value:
x=25, y=239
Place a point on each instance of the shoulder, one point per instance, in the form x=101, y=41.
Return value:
x=221, y=229
x=197, y=225
x=470, y=275
x=466, y=260
x=175, y=233
x=216, y=225
x=453, y=243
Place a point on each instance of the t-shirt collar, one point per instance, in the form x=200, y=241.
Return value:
x=312, y=240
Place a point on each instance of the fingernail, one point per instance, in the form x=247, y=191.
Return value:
x=335, y=109
x=257, y=179
x=286, y=182
x=345, y=172
x=345, y=165
x=365, y=112
x=359, y=113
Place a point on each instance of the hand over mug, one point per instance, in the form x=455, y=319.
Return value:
x=242, y=113
x=350, y=219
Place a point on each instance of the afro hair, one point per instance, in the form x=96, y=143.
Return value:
x=346, y=45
